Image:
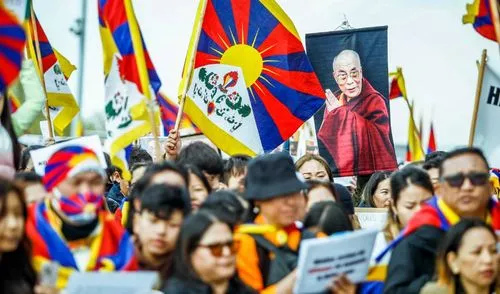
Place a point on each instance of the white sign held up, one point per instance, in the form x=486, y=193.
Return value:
x=321, y=260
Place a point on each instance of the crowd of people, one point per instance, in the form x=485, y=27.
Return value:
x=209, y=225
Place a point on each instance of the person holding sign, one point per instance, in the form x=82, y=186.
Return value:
x=273, y=186
x=465, y=191
x=71, y=230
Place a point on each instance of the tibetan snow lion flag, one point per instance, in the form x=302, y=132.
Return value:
x=480, y=15
x=56, y=72
x=250, y=85
x=126, y=85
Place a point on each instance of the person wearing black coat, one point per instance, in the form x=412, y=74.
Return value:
x=465, y=191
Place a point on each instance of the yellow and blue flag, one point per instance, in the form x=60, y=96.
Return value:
x=130, y=79
x=169, y=112
x=56, y=72
x=479, y=14
x=249, y=82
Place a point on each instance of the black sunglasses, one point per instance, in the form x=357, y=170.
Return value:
x=217, y=248
x=476, y=179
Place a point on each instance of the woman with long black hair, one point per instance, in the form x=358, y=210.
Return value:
x=204, y=258
x=17, y=275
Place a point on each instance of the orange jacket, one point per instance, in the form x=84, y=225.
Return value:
x=247, y=258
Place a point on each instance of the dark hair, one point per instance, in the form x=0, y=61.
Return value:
x=371, y=187
x=162, y=200
x=312, y=184
x=235, y=165
x=138, y=165
x=228, y=205
x=308, y=157
x=464, y=151
x=16, y=269
x=329, y=216
x=6, y=122
x=400, y=180
x=137, y=190
x=192, y=231
x=137, y=155
x=409, y=175
x=452, y=242
x=166, y=165
x=192, y=169
x=26, y=156
x=434, y=160
x=202, y=156
x=345, y=198
x=28, y=177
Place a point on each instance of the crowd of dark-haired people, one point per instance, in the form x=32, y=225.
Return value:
x=209, y=225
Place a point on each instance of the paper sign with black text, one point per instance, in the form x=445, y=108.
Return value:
x=321, y=260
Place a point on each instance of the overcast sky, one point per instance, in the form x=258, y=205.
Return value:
x=426, y=37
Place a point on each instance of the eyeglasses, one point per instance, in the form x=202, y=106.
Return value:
x=217, y=248
x=343, y=76
x=476, y=179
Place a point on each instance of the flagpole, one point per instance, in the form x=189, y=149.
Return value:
x=143, y=73
x=40, y=65
x=81, y=67
x=478, y=96
x=190, y=68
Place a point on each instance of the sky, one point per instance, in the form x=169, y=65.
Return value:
x=426, y=38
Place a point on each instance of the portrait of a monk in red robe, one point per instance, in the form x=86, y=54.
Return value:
x=356, y=126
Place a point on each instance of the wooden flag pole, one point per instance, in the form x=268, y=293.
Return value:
x=40, y=66
x=193, y=46
x=482, y=65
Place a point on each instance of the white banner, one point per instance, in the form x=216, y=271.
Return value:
x=41, y=156
x=488, y=116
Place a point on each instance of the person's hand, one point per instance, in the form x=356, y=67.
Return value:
x=222, y=186
x=342, y=285
x=173, y=145
x=46, y=290
x=287, y=283
x=331, y=101
x=353, y=183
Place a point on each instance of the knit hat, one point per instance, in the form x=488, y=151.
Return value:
x=68, y=162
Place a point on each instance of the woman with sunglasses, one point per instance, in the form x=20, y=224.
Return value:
x=204, y=257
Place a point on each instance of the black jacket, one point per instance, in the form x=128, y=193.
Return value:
x=413, y=261
x=176, y=285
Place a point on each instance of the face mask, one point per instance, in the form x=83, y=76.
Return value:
x=78, y=208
